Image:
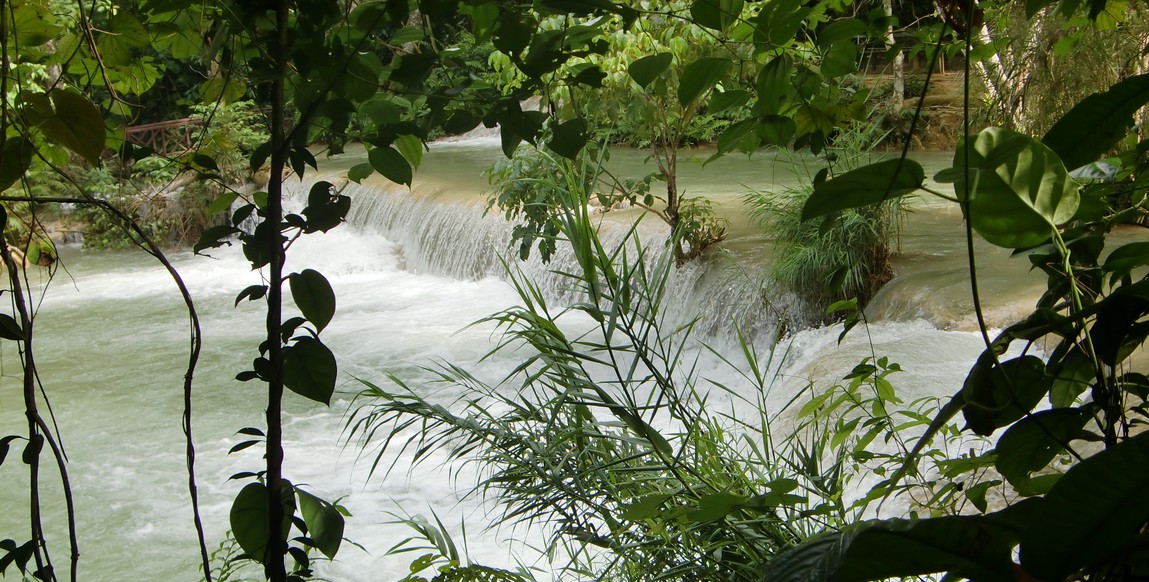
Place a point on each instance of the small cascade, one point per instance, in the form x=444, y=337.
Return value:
x=446, y=233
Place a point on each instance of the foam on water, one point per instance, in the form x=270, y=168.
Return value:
x=410, y=274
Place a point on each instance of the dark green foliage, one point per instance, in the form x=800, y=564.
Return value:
x=1086, y=522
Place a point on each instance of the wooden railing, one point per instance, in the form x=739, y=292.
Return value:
x=165, y=137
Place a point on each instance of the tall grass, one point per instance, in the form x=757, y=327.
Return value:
x=845, y=256
x=608, y=439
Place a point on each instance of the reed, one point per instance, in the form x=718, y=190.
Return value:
x=607, y=438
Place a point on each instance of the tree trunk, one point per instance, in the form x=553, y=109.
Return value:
x=899, y=66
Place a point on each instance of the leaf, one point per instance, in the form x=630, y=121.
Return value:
x=214, y=237
x=359, y=172
x=309, y=369
x=242, y=445
x=1022, y=190
x=10, y=328
x=776, y=130
x=251, y=293
x=1093, y=514
x=773, y=84
x=723, y=100
x=259, y=156
x=1124, y=259
x=325, y=209
x=324, y=523
x=220, y=90
x=644, y=508
x=314, y=297
x=645, y=70
x=778, y=22
x=842, y=29
x=715, y=507
x=391, y=164
x=975, y=547
x=205, y=161
x=15, y=158
x=733, y=136
x=248, y=518
x=411, y=148
x=70, y=120
x=716, y=14
x=1117, y=332
x=1097, y=123
x=5, y=442
x=222, y=202
x=32, y=450
x=863, y=186
x=569, y=137
x=700, y=76
x=1032, y=442
x=997, y=395
x=839, y=60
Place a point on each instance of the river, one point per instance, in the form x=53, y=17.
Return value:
x=410, y=272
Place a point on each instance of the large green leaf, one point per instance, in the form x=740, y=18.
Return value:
x=10, y=328
x=1118, y=331
x=15, y=158
x=411, y=148
x=721, y=101
x=700, y=76
x=326, y=208
x=866, y=185
x=975, y=547
x=310, y=370
x=775, y=90
x=776, y=130
x=69, y=119
x=842, y=29
x=1092, y=515
x=248, y=518
x=1124, y=259
x=324, y=522
x=391, y=164
x=716, y=14
x=1022, y=189
x=841, y=58
x=997, y=394
x=1097, y=122
x=1032, y=442
x=569, y=137
x=778, y=22
x=314, y=297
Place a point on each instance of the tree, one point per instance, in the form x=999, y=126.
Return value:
x=1075, y=511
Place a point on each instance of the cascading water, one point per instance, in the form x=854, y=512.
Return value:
x=410, y=272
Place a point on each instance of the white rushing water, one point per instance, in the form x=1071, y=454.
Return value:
x=410, y=273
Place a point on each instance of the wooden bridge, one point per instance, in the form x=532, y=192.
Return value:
x=165, y=137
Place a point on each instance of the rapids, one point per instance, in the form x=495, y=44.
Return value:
x=410, y=272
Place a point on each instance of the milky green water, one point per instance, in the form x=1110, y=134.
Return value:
x=112, y=341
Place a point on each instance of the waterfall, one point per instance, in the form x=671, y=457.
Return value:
x=445, y=231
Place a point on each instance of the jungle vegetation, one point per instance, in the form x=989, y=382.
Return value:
x=607, y=437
